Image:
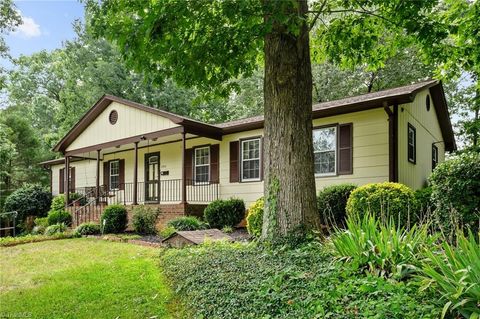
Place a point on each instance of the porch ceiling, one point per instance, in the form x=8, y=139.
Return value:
x=130, y=146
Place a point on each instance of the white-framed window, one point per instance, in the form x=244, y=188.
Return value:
x=250, y=160
x=202, y=165
x=325, y=151
x=114, y=174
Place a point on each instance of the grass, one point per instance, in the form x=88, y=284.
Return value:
x=82, y=278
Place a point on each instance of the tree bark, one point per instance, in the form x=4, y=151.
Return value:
x=290, y=202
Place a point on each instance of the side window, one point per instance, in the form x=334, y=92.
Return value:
x=325, y=151
x=412, y=144
x=434, y=156
x=202, y=165
x=250, y=160
x=114, y=174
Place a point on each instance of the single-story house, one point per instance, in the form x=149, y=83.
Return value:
x=128, y=153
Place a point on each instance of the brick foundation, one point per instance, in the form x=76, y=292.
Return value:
x=167, y=213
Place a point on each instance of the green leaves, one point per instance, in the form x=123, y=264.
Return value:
x=199, y=44
x=455, y=273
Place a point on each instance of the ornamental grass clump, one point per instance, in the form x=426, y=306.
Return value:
x=454, y=273
x=382, y=249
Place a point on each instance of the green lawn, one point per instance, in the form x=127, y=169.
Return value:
x=82, y=278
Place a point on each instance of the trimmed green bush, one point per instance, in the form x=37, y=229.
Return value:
x=144, y=219
x=456, y=192
x=255, y=218
x=41, y=221
x=30, y=200
x=221, y=213
x=114, y=219
x=186, y=223
x=87, y=229
x=59, y=216
x=385, y=201
x=58, y=203
x=55, y=229
x=332, y=202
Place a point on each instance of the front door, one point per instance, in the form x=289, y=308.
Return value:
x=152, y=177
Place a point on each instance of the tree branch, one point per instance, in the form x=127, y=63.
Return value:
x=366, y=12
x=317, y=15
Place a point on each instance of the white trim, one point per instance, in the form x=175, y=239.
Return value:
x=335, y=151
x=259, y=159
x=195, y=165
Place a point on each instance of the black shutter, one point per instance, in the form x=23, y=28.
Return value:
x=106, y=175
x=61, y=181
x=345, y=149
x=234, y=165
x=121, y=174
x=72, y=179
x=188, y=166
x=214, y=158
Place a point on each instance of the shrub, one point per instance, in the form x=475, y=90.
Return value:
x=87, y=229
x=228, y=229
x=454, y=273
x=59, y=216
x=186, y=223
x=255, y=218
x=425, y=205
x=58, y=203
x=81, y=199
x=456, y=192
x=381, y=249
x=221, y=213
x=385, y=201
x=167, y=231
x=114, y=219
x=38, y=230
x=30, y=200
x=144, y=220
x=249, y=281
x=41, y=221
x=55, y=229
x=332, y=202
x=13, y=241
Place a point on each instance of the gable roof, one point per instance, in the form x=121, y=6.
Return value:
x=398, y=95
x=106, y=100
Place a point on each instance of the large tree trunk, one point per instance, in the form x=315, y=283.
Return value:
x=290, y=202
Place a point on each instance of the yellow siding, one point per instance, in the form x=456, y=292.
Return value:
x=428, y=131
x=370, y=147
x=84, y=174
x=131, y=122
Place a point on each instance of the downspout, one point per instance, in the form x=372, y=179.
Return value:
x=392, y=141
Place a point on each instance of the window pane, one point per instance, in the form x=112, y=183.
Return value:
x=251, y=169
x=324, y=139
x=325, y=162
x=251, y=149
x=114, y=182
x=202, y=156
x=201, y=174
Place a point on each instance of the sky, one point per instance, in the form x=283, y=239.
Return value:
x=46, y=24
